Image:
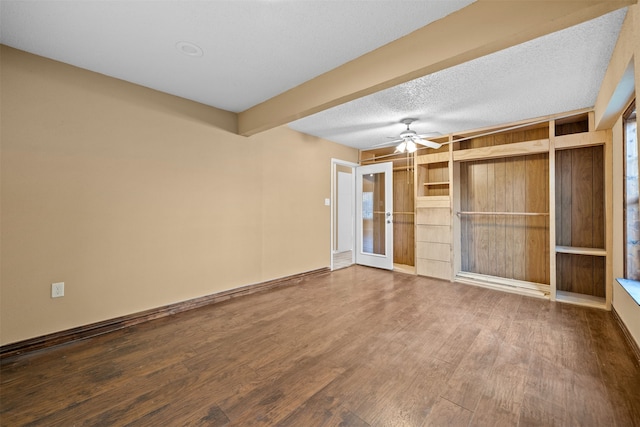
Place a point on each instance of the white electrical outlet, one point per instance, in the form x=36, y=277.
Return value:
x=57, y=290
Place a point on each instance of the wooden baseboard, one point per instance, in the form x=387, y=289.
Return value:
x=632, y=343
x=106, y=326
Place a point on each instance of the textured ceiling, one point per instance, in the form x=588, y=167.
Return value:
x=252, y=50
x=255, y=50
x=556, y=73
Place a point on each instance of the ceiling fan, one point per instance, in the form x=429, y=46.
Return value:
x=409, y=139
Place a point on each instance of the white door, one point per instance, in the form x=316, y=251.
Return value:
x=374, y=215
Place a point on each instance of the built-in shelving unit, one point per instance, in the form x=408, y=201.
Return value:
x=522, y=208
x=433, y=212
x=580, y=210
x=432, y=177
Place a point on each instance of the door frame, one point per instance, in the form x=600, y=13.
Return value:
x=334, y=197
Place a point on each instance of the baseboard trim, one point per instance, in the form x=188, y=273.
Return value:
x=632, y=343
x=115, y=324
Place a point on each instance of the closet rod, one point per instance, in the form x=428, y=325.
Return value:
x=395, y=213
x=505, y=213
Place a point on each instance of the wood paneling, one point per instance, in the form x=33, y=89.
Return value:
x=501, y=151
x=403, y=218
x=581, y=274
x=356, y=347
x=509, y=246
x=575, y=126
x=536, y=132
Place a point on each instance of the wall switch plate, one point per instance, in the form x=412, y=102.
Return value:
x=327, y=202
x=57, y=290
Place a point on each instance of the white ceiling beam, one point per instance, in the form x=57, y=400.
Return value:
x=484, y=27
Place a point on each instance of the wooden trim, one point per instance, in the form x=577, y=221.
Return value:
x=632, y=344
x=432, y=158
x=503, y=281
x=111, y=325
x=508, y=285
x=501, y=151
x=553, y=272
x=608, y=216
x=583, y=139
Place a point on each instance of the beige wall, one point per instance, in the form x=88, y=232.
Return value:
x=611, y=103
x=137, y=199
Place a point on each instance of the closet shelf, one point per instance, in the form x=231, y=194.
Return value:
x=581, y=299
x=581, y=251
x=436, y=183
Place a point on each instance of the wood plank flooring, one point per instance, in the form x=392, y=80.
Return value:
x=356, y=347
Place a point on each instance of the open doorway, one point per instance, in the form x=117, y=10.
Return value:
x=342, y=213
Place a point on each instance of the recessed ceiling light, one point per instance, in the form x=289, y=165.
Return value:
x=189, y=49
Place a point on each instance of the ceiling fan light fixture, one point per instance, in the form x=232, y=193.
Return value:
x=401, y=147
x=411, y=147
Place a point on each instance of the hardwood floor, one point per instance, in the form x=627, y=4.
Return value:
x=356, y=347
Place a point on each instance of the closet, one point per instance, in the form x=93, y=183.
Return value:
x=522, y=208
x=502, y=209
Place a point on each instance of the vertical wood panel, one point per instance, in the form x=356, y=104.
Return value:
x=598, y=198
x=566, y=190
x=403, y=221
x=482, y=235
x=490, y=221
x=519, y=224
x=500, y=221
x=510, y=235
x=582, y=198
x=537, y=196
x=599, y=277
x=582, y=274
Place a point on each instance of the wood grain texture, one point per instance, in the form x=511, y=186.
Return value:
x=403, y=218
x=514, y=247
x=580, y=219
x=381, y=348
x=99, y=328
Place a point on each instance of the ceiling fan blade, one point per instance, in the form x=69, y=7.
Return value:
x=432, y=134
x=427, y=143
x=388, y=143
